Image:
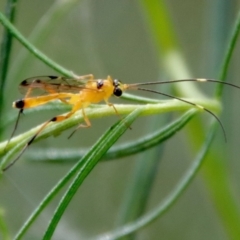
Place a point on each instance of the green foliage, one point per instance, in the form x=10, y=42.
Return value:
x=132, y=215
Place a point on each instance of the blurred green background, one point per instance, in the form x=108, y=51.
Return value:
x=110, y=37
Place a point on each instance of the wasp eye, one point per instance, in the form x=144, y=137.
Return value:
x=117, y=92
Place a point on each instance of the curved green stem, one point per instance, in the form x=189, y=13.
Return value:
x=6, y=46
x=169, y=201
x=18, y=142
x=31, y=48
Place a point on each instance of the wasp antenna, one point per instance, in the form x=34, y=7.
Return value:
x=15, y=127
x=191, y=103
x=182, y=80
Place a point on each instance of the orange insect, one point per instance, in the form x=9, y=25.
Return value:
x=82, y=91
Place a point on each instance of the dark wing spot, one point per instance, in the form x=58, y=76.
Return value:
x=24, y=83
x=38, y=81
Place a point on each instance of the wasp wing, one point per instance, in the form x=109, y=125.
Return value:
x=42, y=85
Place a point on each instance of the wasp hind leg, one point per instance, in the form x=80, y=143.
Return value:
x=112, y=105
x=83, y=77
x=87, y=125
x=15, y=128
x=58, y=118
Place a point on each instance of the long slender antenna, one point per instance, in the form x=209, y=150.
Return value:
x=191, y=103
x=183, y=80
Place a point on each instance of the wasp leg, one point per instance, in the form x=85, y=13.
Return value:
x=88, y=123
x=112, y=105
x=58, y=118
x=83, y=77
x=15, y=128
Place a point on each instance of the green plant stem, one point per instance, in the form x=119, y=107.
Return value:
x=220, y=183
x=3, y=227
x=166, y=132
x=162, y=31
x=139, y=187
x=18, y=142
x=40, y=33
x=6, y=46
x=163, y=34
x=216, y=170
x=89, y=161
x=170, y=200
x=55, y=105
x=93, y=155
x=146, y=219
x=31, y=48
x=47, y=199
x=56, y=155
x=228, y=55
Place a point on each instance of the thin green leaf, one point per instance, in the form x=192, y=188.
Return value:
x=41, y=31
x=228, y=55
x=31, y=48
x=56, y=105
x=3, y=227
x=92, y=157
x=56, y=128
x=5, y=51
x=163, y=207
x=53, y=155
x=170, y=200
x=216, y=171
x=162, y=31
x=89, y=162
